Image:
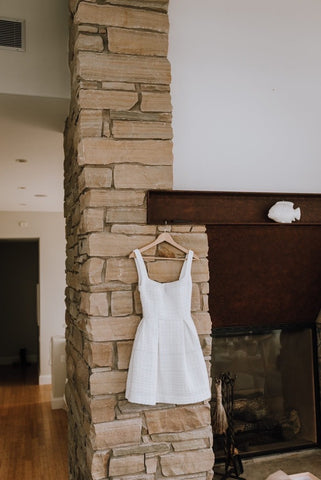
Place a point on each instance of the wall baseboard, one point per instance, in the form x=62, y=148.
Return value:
x=44, y=379
x=58, y=403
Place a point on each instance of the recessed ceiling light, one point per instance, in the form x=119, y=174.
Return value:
x=23, y=204
x=21, y=188
x=21, y=160
x=41, y=195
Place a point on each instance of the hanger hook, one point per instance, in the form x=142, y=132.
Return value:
x=167, y=228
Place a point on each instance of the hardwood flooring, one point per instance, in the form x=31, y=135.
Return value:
x=33, y=438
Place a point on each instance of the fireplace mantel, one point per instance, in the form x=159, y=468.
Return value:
x=226, y=208
x=262, y=273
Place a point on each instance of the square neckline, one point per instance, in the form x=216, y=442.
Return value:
x=139, y=257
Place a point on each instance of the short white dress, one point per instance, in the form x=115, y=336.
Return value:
x=167, y=363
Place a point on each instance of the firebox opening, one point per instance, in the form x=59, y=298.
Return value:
x=275, y=407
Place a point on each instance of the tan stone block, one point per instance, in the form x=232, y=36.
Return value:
x=90, y=123
x=110, y=329
x=196, y=444
x=199, y=229
x=205, y=306
x=177, y=419
x=104, y=151
x=202, y=322
x=200, y=271
x=138, y=476
x=121, y=17
x=132, y=129
x=107, y=124
x=145, y=177
x=181, y=228
x=134, y=229
x=99, y=354
x=102, y=409
x=151, y=464
x=147, y=448
x=107, y=99
x=137, y=42
x=115, y=245
x=76, y=339
x=121, y=303
x=196, y=298
x=187, y=462
x=87, y=28
x=98, y=462
x=193, y=241
x=106, y=383
x=92, y=43
x=121, y=270
x=205, y=288
x=119, y=86
x=156, y=102
x=94, y=303
x=122, y=68
x=164, y=270
x=126, y=465
x=124, y=350
x=92, y=220
x=159, y=5
x=111, y=198
x=206, y=433
x=126, y=215
x=118, y=432
x=168, y=251
x=93, y=198
x=95, y=177
x=91, y=271
x=88, y=84
x=206, y=344
x=154, y=87
x=137, y=116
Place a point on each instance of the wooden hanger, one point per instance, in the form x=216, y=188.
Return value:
x=164, y=237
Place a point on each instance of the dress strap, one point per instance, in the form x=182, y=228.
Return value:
x=187, y=264
x=140, y=265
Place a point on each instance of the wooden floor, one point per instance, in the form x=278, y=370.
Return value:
x=33, y=438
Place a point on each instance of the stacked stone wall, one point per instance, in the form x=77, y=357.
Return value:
x=118, y=145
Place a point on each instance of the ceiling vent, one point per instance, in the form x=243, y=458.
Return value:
x=12, y=34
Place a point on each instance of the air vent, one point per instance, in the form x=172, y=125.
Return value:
x=12, y=35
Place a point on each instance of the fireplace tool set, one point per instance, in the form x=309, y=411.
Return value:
x=224, y=424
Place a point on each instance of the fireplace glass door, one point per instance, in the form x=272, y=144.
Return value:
x=274, y=392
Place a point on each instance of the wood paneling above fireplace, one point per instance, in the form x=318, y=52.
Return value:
x=261, y=273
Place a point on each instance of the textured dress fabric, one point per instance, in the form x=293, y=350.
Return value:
x=167, y=363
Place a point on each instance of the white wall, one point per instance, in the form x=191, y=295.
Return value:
x=49, y=229
x=246, y=94
x=41, y=70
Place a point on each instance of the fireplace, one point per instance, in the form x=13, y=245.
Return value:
x=275, y=404
x=264, y=301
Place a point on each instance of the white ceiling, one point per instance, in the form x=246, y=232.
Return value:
x=31, y=129
x=34, y=99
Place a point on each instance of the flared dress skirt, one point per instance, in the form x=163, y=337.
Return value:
x=167, y=364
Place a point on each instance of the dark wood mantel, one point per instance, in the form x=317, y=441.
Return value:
x=226, y=208
x=261, y=273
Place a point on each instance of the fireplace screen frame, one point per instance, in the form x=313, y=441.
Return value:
x=232, y=332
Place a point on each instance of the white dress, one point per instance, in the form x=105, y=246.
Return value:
x=167, y=363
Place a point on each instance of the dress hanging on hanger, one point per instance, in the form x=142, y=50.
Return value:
x=163, y=237
x=167, y=363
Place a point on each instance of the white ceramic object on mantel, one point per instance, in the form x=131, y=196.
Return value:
x=284, y=212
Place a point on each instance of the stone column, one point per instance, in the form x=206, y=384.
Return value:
x=117, y=146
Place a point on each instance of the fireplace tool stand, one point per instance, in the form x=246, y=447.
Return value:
x=233, y=462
